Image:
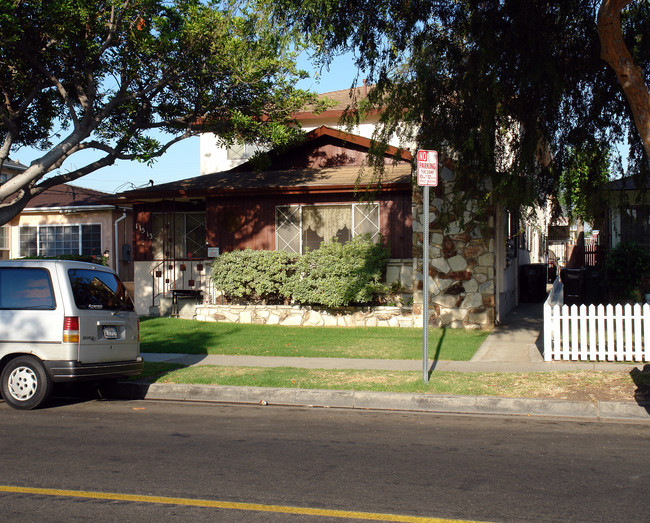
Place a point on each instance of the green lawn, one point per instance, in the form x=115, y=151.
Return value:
x=173, y=335
x=579, y=386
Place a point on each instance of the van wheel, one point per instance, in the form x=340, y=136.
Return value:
x=25, y=383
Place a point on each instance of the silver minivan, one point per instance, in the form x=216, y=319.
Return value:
x=63, y=321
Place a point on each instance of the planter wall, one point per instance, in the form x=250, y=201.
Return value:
x=314, y=317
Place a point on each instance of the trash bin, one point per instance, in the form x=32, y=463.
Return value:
x=595, y=291
x=532, y=282
x=573, y=286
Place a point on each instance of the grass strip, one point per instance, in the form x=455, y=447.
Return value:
x=578, y=386
x=175, y=335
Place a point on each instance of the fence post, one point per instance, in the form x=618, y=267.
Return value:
x=548, y=329
x=646, y=332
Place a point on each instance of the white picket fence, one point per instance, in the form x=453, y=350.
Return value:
x=595, y=333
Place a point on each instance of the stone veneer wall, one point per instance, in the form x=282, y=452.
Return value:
x=308, y=316
x=461, y=261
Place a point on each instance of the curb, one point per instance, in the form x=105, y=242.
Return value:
x=435, y=403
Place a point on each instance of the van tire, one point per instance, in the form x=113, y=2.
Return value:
x=25, y=383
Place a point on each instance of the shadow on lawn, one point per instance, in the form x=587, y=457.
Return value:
x=437, y=352
x=181, y=341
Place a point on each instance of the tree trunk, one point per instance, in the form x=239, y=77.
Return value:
x=631, y=77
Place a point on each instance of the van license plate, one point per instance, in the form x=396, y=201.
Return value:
x=110, y=333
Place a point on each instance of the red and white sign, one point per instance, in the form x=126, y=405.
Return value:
x=428, y=168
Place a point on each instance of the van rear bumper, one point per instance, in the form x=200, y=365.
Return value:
x=76, y=371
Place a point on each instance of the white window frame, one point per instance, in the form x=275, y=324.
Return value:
x=40, y=228
x=5, y=242
x=356, y=208
x=242, y=151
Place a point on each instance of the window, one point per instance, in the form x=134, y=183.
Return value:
x=26, y=289
x=5, y=242
x=635, y=225
x=304, y=227
x=179, y=235
x=98, y=290
x=55, y=240
x=242, y=151
x=511, y=230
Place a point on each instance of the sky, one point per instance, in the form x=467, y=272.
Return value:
x=182, y=160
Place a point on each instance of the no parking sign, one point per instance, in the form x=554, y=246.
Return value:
x=427, y=168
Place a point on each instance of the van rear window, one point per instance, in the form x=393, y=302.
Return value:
x=26, y=288
x=98, y=290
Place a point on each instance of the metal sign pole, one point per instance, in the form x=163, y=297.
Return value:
x=425, y=299
x=427, y=177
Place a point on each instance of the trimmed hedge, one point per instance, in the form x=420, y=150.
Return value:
x=334, y=275
x=253, y=276
x=338, y=274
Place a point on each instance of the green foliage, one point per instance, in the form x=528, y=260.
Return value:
x=583, y=183
x=253, y=276
x=126, y=80
x=508, y=88
x=340, y=274
x=334, y=275
x=627, y=266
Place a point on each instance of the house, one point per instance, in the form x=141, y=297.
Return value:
x=306, y=195
x=67, y=219
x=9, y=169
x=311, y=193
x=216, y=157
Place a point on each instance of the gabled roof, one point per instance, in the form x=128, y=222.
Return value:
x=10, y=165
x=342, y=100
x=68, y=196
x=314, y=173
x=629, y=183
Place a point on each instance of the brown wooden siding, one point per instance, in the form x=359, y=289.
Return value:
x=239, y=222
x=236, y=223
x=142, y=236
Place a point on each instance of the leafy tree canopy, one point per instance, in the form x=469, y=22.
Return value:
x=110, y=76
x=514, y=91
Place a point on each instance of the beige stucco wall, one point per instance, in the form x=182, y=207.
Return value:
x=58, y=218
x=104, y=218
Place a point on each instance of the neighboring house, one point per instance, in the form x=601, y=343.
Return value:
x=217, y=158
x=628, y=217
x=308, y=194
x=9, y=169
x=66, y=219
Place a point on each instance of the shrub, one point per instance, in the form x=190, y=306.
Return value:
x=253, y=276
x=627, y=265
x=340, y=274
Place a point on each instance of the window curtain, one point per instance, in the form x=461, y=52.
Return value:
x=327, y=221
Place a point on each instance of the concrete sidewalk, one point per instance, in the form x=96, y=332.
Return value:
x=513, y=346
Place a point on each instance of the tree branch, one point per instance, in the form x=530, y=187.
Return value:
x=631, y=77
x=56, y=83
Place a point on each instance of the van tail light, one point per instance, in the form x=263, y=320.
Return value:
x=71, y=329
x=138, y=329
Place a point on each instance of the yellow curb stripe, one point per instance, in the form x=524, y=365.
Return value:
x=224, y=505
